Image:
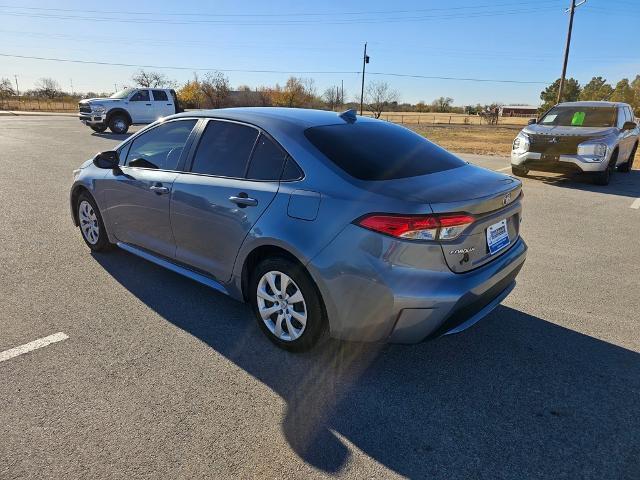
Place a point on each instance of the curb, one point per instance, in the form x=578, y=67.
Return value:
x=7, y=113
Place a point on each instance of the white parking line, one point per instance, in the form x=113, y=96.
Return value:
x=636, y=204
x=503, y=169
x=28, y=347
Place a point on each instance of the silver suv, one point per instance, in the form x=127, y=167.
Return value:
x=578, y=137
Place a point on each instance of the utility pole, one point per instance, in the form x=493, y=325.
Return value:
x=17, y=89
x=365, y=60
x=71, y=81
x=571, y=10
x=342, y=92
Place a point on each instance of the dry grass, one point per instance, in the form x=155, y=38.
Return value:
x=414, y=118
x=67, y=104
x=481, y=140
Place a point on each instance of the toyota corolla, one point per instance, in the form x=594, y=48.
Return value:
x=324, y=223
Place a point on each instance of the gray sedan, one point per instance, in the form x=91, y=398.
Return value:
x=323, y=222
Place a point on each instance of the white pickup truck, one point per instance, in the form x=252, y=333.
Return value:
x=127, y=107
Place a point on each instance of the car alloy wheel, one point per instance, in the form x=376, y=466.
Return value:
x=281, y=306
x=88, y=222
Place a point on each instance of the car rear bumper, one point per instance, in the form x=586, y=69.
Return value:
x=562, y=164
x=371, y=295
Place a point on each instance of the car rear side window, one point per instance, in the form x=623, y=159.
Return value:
x=380, y=151
x=267, y=160
x=160, y=96
x=224, y=149
x=161, y=147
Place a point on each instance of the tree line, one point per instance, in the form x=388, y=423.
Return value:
x=596, y=89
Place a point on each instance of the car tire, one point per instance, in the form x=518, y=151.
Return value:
x=91, y=225
x=628, y=165
x=101, y=128
x=119, y=124
x=519, y=171
x=604, y=177
x=298, y=331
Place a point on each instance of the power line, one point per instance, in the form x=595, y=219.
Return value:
x=160, y=21
x=298, y=14
x=296, y=72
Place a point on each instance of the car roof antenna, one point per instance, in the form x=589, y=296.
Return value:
x=349, y=116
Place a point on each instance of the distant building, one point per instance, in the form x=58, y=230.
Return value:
x=518, y=111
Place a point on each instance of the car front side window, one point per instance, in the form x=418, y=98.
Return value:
x=161, y=147
x=140, y=96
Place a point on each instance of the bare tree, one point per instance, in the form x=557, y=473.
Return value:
x=215, y=88
x=442, y=104
x=331, y=97
x=6, y=88
x=145, y=79
x=378, y=96
x=47, y=87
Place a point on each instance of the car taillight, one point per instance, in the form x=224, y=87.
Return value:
x=418, y=227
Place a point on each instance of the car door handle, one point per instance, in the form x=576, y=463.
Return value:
x=159, y=189
x=242, y=200
x=148, y=104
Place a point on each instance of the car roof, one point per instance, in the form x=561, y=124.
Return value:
x=273, y=117
x=591, y=104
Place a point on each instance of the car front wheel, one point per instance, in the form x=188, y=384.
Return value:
x=99, y=128
x=91, y=225
x=287, y=304
x=628, y=165
x=119, y=124
x=519, y=171
x=604, y=177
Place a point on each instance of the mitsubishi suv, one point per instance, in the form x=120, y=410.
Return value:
x=594, y=138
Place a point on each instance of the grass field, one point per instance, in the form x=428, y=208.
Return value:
x=414, y=118
x=481, y=140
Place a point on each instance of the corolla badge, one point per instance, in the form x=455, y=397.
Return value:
x=506, y=199
x=461, y=251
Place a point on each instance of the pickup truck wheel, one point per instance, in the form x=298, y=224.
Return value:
x=626, y=167
x=519, y=171
x=98, y=128
x=119, y=124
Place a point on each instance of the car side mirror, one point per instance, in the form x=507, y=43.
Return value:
x=532, y=121
x=108, y=160
x=629, y=126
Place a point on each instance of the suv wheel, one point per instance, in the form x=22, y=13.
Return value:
x=99, y=128
x=519, y=171
x=604, y=177
x=287, y=304
x=119, y=124
x=91, y=226
x=626, y=167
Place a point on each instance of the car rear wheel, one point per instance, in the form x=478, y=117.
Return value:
x=519, y=171
x=119, y=124
x=101, y=128
x=626, y=167
x=287, y=304
x=91, y=225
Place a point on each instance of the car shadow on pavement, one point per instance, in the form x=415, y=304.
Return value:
x=622, y=184
x=514, y=397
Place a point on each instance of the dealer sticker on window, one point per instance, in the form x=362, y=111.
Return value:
x=497, y=236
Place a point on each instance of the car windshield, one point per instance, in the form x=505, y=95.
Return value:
x=380, y=150
x=123, y=93
x=575, y=116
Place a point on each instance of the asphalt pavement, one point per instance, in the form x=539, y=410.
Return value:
x=154, y=376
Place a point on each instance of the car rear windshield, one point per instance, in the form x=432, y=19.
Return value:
x=380, y=150
x=575, y=116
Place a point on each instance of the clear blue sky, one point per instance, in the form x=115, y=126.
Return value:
x=486, y=39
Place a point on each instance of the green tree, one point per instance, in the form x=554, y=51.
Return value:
x=635, y=85
x=596, y=89
x=623, y=92
x=571, y=93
